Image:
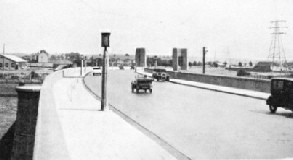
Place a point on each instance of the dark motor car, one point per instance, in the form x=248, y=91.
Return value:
x=142, y=83
x=281, y=94
x=160, y=74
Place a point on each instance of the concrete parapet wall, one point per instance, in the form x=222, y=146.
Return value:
x=260, y=85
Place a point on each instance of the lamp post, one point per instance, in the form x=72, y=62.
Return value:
x=104, y=43
x=204, y=50
x=81, y=65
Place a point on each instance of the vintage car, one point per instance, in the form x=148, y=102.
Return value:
x=121, y=67
x=281, y=94
x=160, y=74
x=142, y=83
x=60, y=67
x=97, y=71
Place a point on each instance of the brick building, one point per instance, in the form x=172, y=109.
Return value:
x=11, y=62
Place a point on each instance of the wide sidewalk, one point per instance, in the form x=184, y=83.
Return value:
x=71, y=125
x=229, y=90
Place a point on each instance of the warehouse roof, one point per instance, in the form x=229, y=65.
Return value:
x=14, y=58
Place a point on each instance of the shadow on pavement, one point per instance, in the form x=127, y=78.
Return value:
x=287, y=115
x=267, y=112
x=6, y=143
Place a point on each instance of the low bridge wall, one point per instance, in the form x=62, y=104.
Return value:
x=260, y=85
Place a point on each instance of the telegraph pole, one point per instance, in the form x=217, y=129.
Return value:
x=3, y=56
x=105, y=44
x=204, y=59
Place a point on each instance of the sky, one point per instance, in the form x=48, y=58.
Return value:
x=228, y=28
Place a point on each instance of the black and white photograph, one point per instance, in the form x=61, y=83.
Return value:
x=146, y=79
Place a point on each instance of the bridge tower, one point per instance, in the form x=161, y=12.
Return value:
x=180, y=59
x=140, y=57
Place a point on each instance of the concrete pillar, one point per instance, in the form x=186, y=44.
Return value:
x=85, y=65
x=81, y=68
x=184, y=57
x=26, y=119
x=140, y=57
x=175, y=59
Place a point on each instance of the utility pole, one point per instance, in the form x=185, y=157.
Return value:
x=3, y=56
x=204, y=59
x=105, y=44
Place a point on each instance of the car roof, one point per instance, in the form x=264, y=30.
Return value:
x=159, y=68
x=144, y=79
x=288, y=79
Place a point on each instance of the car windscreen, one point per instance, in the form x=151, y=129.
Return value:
x=278, y=84
x=144, y=81
x=160, y=70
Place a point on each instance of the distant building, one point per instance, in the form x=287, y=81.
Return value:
x=57, y=62
x=43, y=57
x=262, y=67
x=11, y=62
x=116, y=60
x=121, y=60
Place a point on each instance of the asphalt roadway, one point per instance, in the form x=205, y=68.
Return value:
x=201, y=123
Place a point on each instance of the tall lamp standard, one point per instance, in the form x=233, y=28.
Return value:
x=104, y=43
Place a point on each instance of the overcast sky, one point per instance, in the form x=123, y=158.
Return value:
x=229, y=28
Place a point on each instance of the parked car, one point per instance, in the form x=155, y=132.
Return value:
x=60, y=67
x=160, y=74
x=121, y=67
x=97, y=71
x=281, y=94
x=142, y=83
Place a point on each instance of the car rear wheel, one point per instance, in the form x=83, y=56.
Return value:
x=273, y=109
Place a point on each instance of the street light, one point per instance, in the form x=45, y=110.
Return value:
x=105, y=39
x=104, y=43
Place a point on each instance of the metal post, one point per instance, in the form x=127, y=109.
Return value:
x=203, y=59
x=81, y=65
x=84, y=66
x=104, y=43
x=104, y=81
x=3, y=56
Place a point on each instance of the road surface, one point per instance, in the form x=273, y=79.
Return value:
x=202, y=123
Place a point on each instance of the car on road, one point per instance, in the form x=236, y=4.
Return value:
x=160, y=74
x=60, y=67
x=97, y=71
x=143, y=83
x=121, y=67
x=281, y=94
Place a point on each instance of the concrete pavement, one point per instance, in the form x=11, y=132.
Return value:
x=71, y=126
